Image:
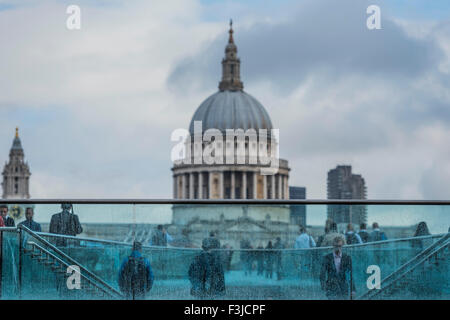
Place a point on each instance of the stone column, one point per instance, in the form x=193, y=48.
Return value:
x=191, y=186
x=183, y=186
x=244, y=185
x=272, y=187
x=179, y=190
x=200, y=185
x=264, y=186
x=175, y=186
x=279, y=186
x=210, y=184
x=286, y=186
x=27, y=186
x=233, y=186
x=221, y=185
x=255, y=183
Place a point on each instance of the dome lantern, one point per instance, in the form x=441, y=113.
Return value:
x=231, y=64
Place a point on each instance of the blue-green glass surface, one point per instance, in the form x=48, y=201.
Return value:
x=290, y=273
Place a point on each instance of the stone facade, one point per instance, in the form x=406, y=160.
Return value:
x=233, y=230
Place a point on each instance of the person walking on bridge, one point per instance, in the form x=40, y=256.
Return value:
x=135, y=274
x=336, y=275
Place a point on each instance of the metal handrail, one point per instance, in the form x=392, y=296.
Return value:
x=113, y=242
x=226, y=201
x=63, y=236
x=62, y=262
x=410, y=265
x=71, y=260
x=8, y=229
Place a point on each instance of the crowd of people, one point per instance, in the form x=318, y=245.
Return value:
x=7, y=221
x=64, y=222
x=206, y=273
x=266, y=259
x=350, y=236
x=207, y=270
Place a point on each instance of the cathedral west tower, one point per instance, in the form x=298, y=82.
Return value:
x=16, y=173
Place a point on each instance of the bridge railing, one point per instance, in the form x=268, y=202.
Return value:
x=257, y=272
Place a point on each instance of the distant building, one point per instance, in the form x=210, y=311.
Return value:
x=231, y=109
x=298, y=212
x=342, y=184
x=16, y=173
x=16, y=178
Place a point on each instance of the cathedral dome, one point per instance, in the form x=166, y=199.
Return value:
x=231, y=107
x=256, y=173
x=231, y=110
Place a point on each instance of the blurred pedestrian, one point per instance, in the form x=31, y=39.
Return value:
x=363, y=233
x=7, y=220
x=246, y=256
x=206, y=274
x=29, y=222
x=212, y=242
x=329, y=238
x=326, y=231
x=260, y=260
x=304, y=240
x=377, y=234
x=135, y=275
x=421, y=231
x=65, y=223
x=269, y=260
x=278, y=246
x=160, y=237
x=336, y=276
x=351, y=237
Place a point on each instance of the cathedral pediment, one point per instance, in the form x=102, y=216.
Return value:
x=246, y=226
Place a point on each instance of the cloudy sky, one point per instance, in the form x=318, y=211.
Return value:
x=96, y=106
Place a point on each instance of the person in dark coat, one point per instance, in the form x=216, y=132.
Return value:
x=260, y=260
x=269, y=260
x=246, y=256
x=66, y=223
x=160, y=237
x=212, y=242
x=278, y=246
x=206, y=274
x=29, y=222
x=351, y=237
x=377, y=234
x=327, y=229
x=336, y=275
x=363, y=233
x=135, y=275
x=7, y=220
x=421, y=230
